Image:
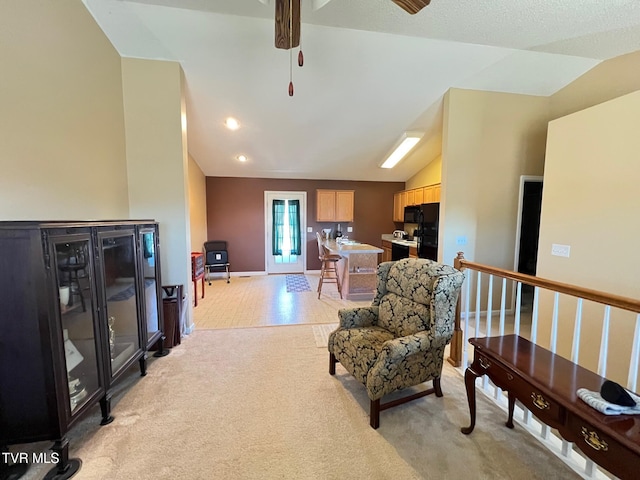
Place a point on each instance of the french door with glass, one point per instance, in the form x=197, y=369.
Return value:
x=285, y=219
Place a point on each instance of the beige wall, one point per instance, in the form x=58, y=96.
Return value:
x=62, y=150
x=590, y=202
x=157, y=160
x=429, y=175
x=490, y=139
x=197, y=206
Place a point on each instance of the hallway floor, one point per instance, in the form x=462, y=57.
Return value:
x=265, y=300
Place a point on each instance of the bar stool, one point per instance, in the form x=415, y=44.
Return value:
x=329, y=268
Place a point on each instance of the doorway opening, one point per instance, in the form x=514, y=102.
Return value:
x=528, y=232
x=285, y=220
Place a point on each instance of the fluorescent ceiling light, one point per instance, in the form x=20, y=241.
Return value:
x=403, y=146
x=231, y=123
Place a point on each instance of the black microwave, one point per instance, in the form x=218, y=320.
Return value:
x=411, y=213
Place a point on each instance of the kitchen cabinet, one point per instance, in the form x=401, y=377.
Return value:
x=80, y=305
x=386, y=251
x=334, y=205
x=399, y=202
x=415, y=196
x=413, y=252
x=419, y=196
x=410, y=200
x=432, y=193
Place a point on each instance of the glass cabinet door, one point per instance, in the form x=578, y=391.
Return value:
x=149, y=266
x=121, y=295
x=75, y=292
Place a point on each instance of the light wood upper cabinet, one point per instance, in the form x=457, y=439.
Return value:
x=416, y=196
x=399, y=202
x=344, y=205
x=398, y=208
x=419, y=196
x=431, y=193
x=334, y=205
x=411, y=197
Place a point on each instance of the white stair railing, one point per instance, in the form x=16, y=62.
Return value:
x=512, y=320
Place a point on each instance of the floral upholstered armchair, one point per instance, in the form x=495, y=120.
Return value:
x=399, y=340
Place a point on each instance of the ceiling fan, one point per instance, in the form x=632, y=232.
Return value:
x=288, y=18
x=288, y=25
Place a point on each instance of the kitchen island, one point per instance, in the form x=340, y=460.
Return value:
x=357, y=268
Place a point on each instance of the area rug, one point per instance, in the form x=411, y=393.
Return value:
x=297, y=283
x=321, y=333
x=259, y=403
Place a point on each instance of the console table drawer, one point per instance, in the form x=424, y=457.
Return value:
x=601, y=448
x=496, y=372
x=540, y=405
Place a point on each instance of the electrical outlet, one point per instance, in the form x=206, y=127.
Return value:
x=309, y=229
x=560, y=250
x=349, y=229
x=461, y=240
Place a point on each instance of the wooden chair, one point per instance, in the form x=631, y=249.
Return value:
x=329, y=268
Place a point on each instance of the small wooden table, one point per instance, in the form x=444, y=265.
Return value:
x=546, y=384
x=197, y=273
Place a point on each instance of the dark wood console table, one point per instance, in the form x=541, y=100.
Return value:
x=546, y=384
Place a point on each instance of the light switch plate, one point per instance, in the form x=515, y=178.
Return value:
x=309, y=229
x=560, y=250
x=349, y=229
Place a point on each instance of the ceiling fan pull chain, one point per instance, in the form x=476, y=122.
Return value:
x=291, y=72
x=291, y=48
x=300, y=55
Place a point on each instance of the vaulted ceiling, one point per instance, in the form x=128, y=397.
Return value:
x=371, y=72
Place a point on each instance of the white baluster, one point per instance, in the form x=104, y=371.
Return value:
x=516, y=322
x=635, y=353
x=503, y=305
x=577, y=325
x=554, y=322
x=478, y=297
x=489, y=305
x=604, y=342
x=534, y=315
x=465, y=353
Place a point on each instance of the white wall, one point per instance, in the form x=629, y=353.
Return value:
x=157, y=161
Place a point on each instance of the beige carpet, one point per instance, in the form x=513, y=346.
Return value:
x=321, y=334
x=258, y=403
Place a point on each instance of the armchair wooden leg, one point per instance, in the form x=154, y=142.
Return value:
x=374, y=413
x=437, y=387
x=332, y=364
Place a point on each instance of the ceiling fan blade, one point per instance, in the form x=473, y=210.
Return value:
x=412, y=6
x=283, y=40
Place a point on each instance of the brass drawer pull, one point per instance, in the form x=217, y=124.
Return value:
x=509, y=376
x=484, y=363
x=592, y=439
x=539, y=401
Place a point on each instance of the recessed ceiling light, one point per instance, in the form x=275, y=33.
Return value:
x=241, y=158
x=231, y=123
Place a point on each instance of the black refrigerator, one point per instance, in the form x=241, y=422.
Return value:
x=427, y=239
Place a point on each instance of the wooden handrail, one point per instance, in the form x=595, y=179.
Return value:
x=456, y=349
x=625, y=303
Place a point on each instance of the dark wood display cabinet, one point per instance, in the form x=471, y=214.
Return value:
x=80, y=303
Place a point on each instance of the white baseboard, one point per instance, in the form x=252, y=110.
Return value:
x=233, y=274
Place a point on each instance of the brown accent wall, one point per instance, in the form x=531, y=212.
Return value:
x=235, y=213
